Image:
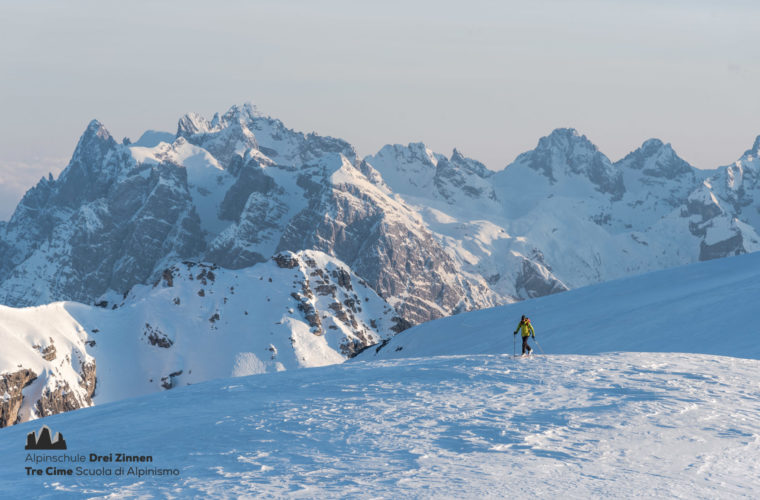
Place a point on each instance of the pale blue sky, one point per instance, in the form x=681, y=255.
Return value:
x=486, y=77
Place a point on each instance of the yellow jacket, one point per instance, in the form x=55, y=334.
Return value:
x=526, y=328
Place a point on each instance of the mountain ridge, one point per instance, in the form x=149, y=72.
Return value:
x=243, y=186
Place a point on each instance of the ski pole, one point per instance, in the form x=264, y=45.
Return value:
x=539, y=345
x=514, y=345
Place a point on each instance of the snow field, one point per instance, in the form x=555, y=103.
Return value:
x=614, y=425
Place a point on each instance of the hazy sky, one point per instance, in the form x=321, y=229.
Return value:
x=486, y=77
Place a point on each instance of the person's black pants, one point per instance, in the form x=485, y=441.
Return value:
x=525, y=346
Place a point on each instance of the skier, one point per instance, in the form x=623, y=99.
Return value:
x=527, y=330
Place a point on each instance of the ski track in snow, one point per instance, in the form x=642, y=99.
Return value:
x=612, y=425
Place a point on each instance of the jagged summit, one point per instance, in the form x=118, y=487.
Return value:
x=653, y=144
x=246, y=112
x=657, y=159
x=194, y=123
x=97, y=128
x=755, y=150
x=470, y=165
x=233, y=135
x=95, y=136
x=565, y=139
x=568, y=160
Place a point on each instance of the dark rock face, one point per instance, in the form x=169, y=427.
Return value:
x=48, y=353
x=702, y=208
x=394, y=258
x=251, y=179
x=285, y=260
x=536, y=281
x=156, y=337
x=56, y=398
x=730, y=246
x=63, y=398
x=104, y=224
x=170, y=381
x=12, y=384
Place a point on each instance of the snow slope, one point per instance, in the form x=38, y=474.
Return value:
x=199, y=322
x=615, y=425
x=708, y=308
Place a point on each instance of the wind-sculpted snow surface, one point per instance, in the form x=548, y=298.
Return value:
x=606, y=426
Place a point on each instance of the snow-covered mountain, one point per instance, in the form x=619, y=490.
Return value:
x=433, y=235
x=445, y=410
x=563, y=215
x=234, y=191
x=430, y=235
x=197, y=322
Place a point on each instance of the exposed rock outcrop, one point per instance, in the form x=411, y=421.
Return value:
x=11, y=394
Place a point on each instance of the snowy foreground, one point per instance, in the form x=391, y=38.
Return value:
x=610, y=425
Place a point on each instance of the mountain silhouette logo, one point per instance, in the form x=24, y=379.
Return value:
x=43, y=440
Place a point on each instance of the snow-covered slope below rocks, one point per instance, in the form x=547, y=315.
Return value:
x=198, y=322
x=44, y=364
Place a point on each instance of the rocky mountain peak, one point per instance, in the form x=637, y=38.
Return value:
x=95, y=140
x=657, y=159
x=95, y=162
x=469, y=165
x=653, y=145
x=191, y=124
x=565, y=140
x=755, y=150
x=565, y=153
x=419, y=151
x=227, y=138
x=416, y=153
x=245, y=113
x=97, y=129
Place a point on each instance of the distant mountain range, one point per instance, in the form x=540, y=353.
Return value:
x=427, y=235
x=433, y=235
